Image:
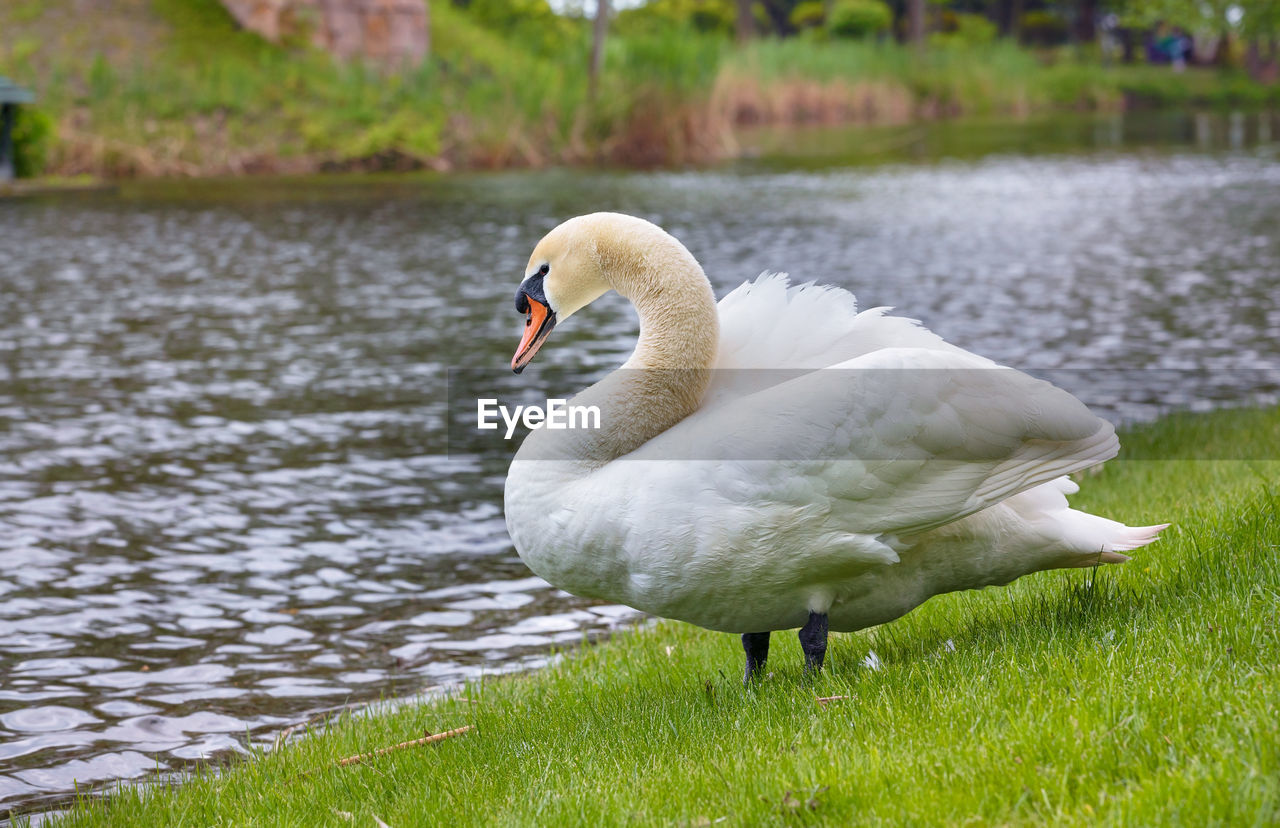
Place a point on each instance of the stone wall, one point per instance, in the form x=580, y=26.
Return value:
x=385, y=30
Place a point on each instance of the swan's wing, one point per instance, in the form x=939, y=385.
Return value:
x=771, y=330
x=898, y=441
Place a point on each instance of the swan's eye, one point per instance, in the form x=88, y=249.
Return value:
x=544, y=270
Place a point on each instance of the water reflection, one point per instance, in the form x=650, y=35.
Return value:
x=1142, y=130
x=226, y=499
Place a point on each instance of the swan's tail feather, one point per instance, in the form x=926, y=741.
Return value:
x=1132, y=537
x=1121, y=539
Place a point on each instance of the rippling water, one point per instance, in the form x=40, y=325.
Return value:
x=225, y=497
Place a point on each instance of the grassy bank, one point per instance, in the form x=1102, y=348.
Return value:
x=1142, y=694
x=172, y=87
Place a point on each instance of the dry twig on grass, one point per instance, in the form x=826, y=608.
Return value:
x=362, y=757
x=425, y=740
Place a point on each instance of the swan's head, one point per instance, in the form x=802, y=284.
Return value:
x=575, y=264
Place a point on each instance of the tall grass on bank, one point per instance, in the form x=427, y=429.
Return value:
x=793, y=81
x=797, y=82
x=655, y=108
x=1143, y=694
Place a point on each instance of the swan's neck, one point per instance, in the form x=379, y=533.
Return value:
x=664, y=379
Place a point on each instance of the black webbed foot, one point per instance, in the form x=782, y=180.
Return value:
x=757, y=648
x=813, y=640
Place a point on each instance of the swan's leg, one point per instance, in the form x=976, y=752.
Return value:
x=757, y=647
x=813, y=640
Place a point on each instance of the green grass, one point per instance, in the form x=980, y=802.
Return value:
x=1143, y=694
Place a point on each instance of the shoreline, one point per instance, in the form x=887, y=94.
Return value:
x=1058, y=684
x=745, y=143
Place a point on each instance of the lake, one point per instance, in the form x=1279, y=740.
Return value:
x=227, y=497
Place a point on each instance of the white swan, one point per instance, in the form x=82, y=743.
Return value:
x=873, y=467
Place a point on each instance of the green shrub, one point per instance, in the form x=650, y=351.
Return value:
x=712, y=17
x=859, y=18
x=1042, y=28
x=974, y=30
x=963, y=31
x=407, y=131
x=707, y=16
x=32, y=135
x=531, y=23
x=808, y=14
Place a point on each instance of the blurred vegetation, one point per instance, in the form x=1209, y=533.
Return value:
x=808, y=14
x=859, y=18
x=32, y=138
x=674, y=16
x=175, y=87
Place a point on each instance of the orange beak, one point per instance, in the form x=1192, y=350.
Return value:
x=538, y=322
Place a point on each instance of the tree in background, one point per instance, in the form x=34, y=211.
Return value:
x=598, y=32
x=915, y=22
x=532, y=22
x=745, y=23
x=1256, y=23
x=1225, y=31
x=1259, y=23
x=664, y=16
